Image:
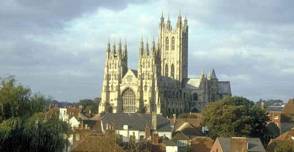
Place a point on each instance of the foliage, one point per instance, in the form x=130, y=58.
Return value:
x=234, y=116
x=89, y=106
x=281, y=146
x=24, y=125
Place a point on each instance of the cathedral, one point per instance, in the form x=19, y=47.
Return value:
x=161, y=83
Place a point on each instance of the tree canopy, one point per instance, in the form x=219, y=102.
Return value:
x=234, y=116
x=89, y=106
x=24, y=125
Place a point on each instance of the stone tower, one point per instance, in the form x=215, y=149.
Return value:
x=147, y=75
x=174, y=48
x=115, y=68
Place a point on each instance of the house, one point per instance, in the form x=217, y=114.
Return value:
x=63, y=114
x=170, y=146
x=74, y=122
x=201, y=144
x=237, y=144
x=189, y=124
x=94, y=142
x=70, y=115
x=285, y=138
x=182, y=140
x=275, y=117
x=287, y=116
x=137, y=125
x=194, y=144
x=186, y=127
x=289, y=135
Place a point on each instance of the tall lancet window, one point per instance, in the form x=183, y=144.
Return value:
x=173, y=43
x=166, y=70
x=167, y=43
x=172, y=71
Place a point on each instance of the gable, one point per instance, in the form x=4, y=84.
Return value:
x=130, y=76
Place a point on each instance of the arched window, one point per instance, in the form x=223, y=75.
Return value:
x=166, y=43
x=195, y=96
x=173, y=43
x=172, y=71
x=129, y=101
x=166, y=70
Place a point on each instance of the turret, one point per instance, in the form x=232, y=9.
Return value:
x=108, y=47
x=119, y=48
x=179, y=21
x=147, y=48
x=169, y=24
x=153, y=46
x=142, y=47
x=114, y=49
x=162, y=21
x=185, y=23
x=125, y=49
x=212, y=75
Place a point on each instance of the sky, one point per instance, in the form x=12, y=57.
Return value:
x=57, y=47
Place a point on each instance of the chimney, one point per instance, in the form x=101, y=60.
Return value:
x=174, y=118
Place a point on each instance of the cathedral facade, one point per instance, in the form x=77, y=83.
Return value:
x=161, y=83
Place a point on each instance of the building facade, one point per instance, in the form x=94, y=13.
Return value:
x=161, y=82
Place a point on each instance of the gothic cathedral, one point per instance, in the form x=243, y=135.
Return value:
x=161, y=83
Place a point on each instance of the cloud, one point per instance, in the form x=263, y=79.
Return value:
x=57, y=47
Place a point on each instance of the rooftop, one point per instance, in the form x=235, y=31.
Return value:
x=135, y=121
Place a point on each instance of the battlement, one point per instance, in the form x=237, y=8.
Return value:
x=182, y=24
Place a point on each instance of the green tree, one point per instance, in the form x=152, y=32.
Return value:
x=234, y=116
x=12, y=97
x=89, y=106
x=24, y=125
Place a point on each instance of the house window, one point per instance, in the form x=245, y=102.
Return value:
x=166, y=43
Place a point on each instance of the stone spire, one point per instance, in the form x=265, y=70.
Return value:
x=119, y=47
x=179, y=21
x=168, y=23
x=108, y=46
x=114, y=48
x=185, y=21
x=202, y=76
x=212, y=75
x=142, y=46
x=153, y=46
x=125, y=48
x=161, y=18
x=147, y=48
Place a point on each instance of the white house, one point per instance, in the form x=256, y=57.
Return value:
x=69, y=115
x=63, y=114
x=170, y=146
x=73, y=122
x=135, y=124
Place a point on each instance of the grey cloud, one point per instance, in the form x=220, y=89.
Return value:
x=257, y=28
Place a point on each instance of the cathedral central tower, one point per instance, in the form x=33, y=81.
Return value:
x=174, y=48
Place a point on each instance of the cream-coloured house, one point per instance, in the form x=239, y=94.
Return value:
x=161, y=82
